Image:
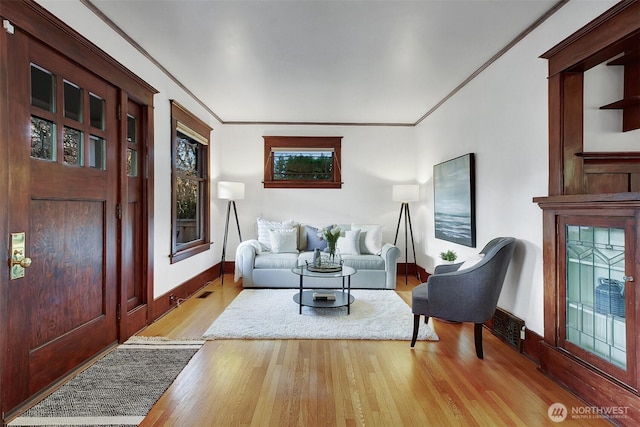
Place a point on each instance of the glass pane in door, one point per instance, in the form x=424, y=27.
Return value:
x=596, y=318
x=43, y=140
x=96, y=111
x=97, y=152
x=132, y=130
x=72, y=101
x=132, y=162
x=72, y=146
x=42, y=89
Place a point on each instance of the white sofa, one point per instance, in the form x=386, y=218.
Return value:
x=266, y=262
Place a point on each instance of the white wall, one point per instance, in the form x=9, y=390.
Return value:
x=373, y=159
x=501, y=116
x=166, y=276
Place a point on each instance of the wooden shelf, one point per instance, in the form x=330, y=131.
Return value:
x=627, y=58
x=622, y=104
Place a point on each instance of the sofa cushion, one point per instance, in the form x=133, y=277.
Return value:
x=350, y=243
x=370, y=238
x=276, y=261
x=264, y=225
x=284, y=241
x=359, y=262
x=364, y=262
x=313, y=241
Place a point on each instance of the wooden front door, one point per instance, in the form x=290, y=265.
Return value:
x=63, y=190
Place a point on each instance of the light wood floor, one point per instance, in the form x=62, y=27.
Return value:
x=350, y=383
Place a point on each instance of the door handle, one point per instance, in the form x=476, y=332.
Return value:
x=628, y=278
x=18, y=262
x=20, y=259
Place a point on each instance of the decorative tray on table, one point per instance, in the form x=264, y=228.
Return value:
x=325, y=266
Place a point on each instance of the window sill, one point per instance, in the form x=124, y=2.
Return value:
x=301, y=184
x=190, y=251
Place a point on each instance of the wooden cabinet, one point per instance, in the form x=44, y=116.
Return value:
x=591, y=254
x=591, y=241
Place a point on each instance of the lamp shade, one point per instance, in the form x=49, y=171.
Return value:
x=406, y=193
x=230, y=190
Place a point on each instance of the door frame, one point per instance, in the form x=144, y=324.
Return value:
x=36, y=22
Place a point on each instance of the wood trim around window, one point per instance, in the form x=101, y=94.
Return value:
x=186, y=250
x=333, y=143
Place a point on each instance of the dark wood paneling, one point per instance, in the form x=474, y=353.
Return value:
x=634, y=182
x=131, y=247
x=161, y=305
x=615, y=24
x=16, y=363
x=67, y=248
x=65, y=353
x=611, y=172
x=556, y=156
x=531, y=345
x=4, y=195
x=606, y=183
x=597, y=389
x=631, y=114
x=148, y=172
x=631, y=118
x=549, y=257
x=572, y=128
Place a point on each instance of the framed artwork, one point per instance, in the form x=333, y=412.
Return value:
x=454, y=200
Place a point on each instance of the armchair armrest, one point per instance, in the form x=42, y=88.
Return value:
x=446, y=268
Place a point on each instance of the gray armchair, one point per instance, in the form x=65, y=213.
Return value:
x=468, y=295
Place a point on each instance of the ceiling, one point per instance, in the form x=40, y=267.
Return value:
x=321, y=61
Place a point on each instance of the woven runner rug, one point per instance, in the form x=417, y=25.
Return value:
x=272, y=314
x=117, y=390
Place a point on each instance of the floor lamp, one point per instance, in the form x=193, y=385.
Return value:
x=230, y=191
x=406, y=194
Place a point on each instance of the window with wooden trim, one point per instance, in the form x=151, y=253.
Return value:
x=189, y=184
x=302, y=162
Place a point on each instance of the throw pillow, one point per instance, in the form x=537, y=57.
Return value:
x=264, y=225
x=313, y=241
x=370, y=238
x=284, y=241
x=471, y=262
x=350, y=243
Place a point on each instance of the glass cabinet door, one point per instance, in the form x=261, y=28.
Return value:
x=596, y=321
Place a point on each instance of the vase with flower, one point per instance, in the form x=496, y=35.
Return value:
x=331, y=234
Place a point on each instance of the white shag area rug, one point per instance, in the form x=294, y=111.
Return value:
x=272, y=314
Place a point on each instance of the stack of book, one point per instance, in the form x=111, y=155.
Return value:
x=324, y=296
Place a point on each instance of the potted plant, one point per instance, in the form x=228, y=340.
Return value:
x=448, y=256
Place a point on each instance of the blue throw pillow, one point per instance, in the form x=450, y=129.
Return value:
x=313, y=241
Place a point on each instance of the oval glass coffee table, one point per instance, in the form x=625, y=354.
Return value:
x=342, y=296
